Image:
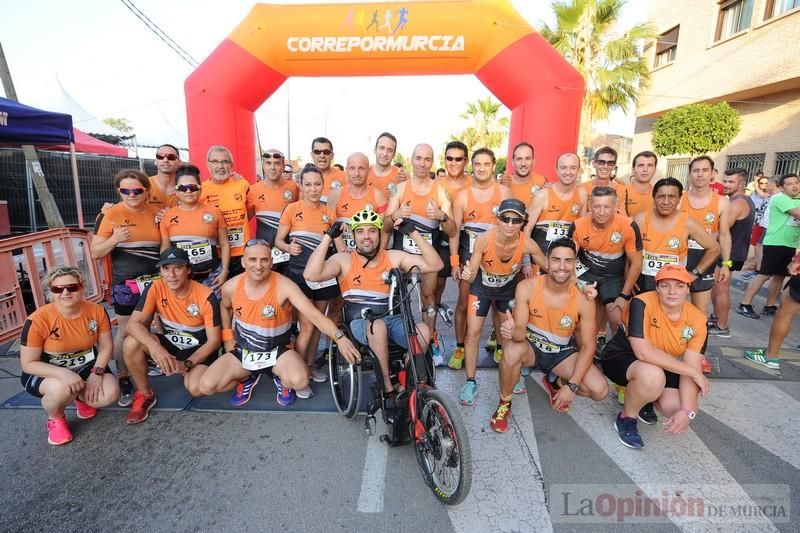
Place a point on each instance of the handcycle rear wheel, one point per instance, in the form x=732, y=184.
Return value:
x=443, y=453
x=345, y=380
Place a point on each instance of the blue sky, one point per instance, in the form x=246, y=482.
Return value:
x=114, y=66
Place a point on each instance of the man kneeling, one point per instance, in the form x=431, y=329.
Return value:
x=189, y=312
x=257, y=319
x=549, y=309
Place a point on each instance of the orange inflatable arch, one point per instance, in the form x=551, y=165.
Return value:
x=487, y=38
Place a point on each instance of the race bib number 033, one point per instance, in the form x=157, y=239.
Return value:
x=654, y=262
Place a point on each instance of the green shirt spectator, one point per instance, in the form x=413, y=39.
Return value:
x=783, y=229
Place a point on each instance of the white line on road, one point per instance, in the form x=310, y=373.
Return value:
x=373, y=480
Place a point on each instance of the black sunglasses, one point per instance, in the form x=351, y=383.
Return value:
x=268, y=155
x=322, y=152
x=257, y=242
x=168, y=157
x=456, y=159
x=510, y=220
x=187, y=187
x=128, y=192
x=69, y=287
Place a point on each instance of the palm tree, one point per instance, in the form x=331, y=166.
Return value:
x=486, y=128
x=612, y=65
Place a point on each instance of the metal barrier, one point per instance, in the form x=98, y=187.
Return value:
x=25, y=259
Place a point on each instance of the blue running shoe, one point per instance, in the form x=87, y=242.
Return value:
x=627, y=432
x=468, y=392
x=244, y=390
x=285, y=396
x=525, y=371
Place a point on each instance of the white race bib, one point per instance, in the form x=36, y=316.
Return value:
x=259, y=360
x=279, y=256
x=142, y=282
x=74, y=359
x=496, y=280
x=182, y=340
x=556, y=230
x=580, y=268
x=411, y=247
x=315, y=285
x=541, y=342
x=236, y=237
x=654, y=262
x=198, y=251
x=349, y=239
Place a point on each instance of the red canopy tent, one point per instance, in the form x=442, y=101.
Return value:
x=86, y=144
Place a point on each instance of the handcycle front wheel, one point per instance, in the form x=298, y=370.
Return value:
x=443, y=453
x=345, y=380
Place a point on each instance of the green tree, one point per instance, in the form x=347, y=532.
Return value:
x=403, y=160
x=122, y=124
x=486, y=127
x=612, y=64
x=696, y=129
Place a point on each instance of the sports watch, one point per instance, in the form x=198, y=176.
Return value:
x=691, y=414
x=625, y=296
x=339, y=335
x=98, y=370
x=696, y=272
x=572, y=386
x=727, y=263
x=188, y=364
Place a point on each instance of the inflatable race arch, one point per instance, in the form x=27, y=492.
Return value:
x=487, y=38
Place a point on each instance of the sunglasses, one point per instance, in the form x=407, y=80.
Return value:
x=456, y=159
x=322, y=152
x=257, y=242
x=168, y=157
x=268, y=155
x=70, y=287
x=288, y=169
x=128, y=192
x=604, y=163
x=187, y=187
x=510, y=220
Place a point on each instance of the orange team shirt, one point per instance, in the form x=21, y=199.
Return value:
x=268, y=203
x=66, y=342
x=332, y=179
x=139, y=254
x=186, y=320
x=479, y=216
x=453, y=187
x=363, y=287
x=603, y=252
x=526, y=191
x=262, y=324
x=661, y=248
x=230, y=197
x=648, y=321
x=195, y=231
x=158, y=198
x=550, y=330
x=496, y=277
x=557, y=217
x=589, y=186
x=426, y=227
x=307, y=224
x=387, y=183
x=636, y=202
x=707, y=216
x=347, y=206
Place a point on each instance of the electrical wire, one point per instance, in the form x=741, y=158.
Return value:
x=161, y=34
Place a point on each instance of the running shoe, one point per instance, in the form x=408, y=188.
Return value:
x=436, y=350
x=748, y=311
x=499, y=420
x=244, y=390
x=759, y=357
x=620, y=394
x=468, y=392
x=457, y=359
x=58, y=431
x=716, y=331
x=769, y=310
x=85, y=411
x=125, y=392
x=285, y=396
x=705, y=366
x=498, y=355
x=152, y=369
x=317, y=375
x=627, y=432
x=305, y=393
x=521, y=387
x=712, y=320
x=140, y=409
x=749, y=275
x=647, y=414
x=601, y=343
x=491, y=344
x=525, y=371
x=551, y=391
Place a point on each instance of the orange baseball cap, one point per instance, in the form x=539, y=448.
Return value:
x=673, y=271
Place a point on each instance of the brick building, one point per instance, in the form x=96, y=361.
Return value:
x=746, y=52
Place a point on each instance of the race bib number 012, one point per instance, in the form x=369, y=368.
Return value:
x=259, y=360
x=182, y=340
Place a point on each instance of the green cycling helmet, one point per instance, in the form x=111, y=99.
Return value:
x=366, y=217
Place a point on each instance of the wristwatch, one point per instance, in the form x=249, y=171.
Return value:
x=696, y=272
x=727, y=263
x=572, y=386
x=188, y=364
x=338, y=336
x=691, y=414
x=625, y=296
x=445, y=217
x=98, y=370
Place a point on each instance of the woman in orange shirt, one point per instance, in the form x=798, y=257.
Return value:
x=65, y=349
x=199, y=229
x=128, y=232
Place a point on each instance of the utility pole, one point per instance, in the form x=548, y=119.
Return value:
x=32, y=164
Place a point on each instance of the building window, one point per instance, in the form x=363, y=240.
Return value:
x=751, y=162
x=787, y=162
x=667, y=47
x=778, y=7
x=734, y=16
x=678, y=168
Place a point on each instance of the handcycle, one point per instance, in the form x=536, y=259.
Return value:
x=419, y=413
